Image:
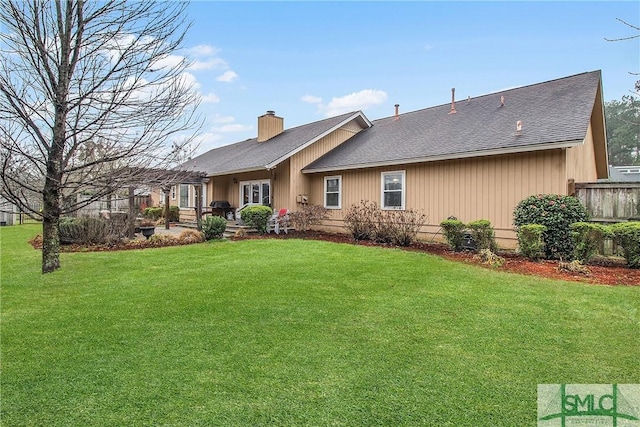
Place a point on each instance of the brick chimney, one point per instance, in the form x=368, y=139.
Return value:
x=269, y=125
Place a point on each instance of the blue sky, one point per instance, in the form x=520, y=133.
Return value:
x=311, y=60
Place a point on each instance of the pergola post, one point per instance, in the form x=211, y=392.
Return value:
x=198, y=188
x=167, y=208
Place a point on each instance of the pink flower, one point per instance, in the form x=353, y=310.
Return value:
x=551, y=203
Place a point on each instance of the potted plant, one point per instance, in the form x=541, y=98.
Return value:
x=147, y=227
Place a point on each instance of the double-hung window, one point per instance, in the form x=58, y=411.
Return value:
x=333, y=192
x=393, y=190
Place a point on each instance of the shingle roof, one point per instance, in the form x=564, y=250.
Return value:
x=252, y=155
x=552, y=113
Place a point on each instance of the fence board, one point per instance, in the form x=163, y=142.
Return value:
x=610, y=201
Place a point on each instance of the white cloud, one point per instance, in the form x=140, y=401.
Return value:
x=203, y=50
x=210, y=98
x=312, y=99
x=233, y=128
x=227, y=77
x=354, y=101
x=208, y=64
x=219, y=118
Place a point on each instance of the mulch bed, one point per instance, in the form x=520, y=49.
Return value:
x=611, y=272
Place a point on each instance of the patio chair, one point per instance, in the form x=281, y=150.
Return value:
x=279, y=221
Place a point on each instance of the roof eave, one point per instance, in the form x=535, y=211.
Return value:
x=453, y=156
x=254, y=169
x=284, y=157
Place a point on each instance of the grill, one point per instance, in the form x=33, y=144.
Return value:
x=220, y=204
x=222, y=208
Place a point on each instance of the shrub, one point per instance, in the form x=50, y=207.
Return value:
x=361, y=220
x=556, y=212
x=483, y=234
x=257, y=217
x=213, y=227
x=454, y=233
x=309, y=215
x=403, y=226
x=83, y=231
x=190, y=236
x=627, y=235
x=587, y=238
x=153, y=213
x=531, y=240
x=174, y=213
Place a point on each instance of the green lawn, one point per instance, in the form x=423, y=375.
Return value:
x=295, y=333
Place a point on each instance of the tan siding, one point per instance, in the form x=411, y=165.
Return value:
x=581, y=160
x=299, y=183
x=469, y=189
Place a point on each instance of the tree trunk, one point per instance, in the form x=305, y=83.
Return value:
x=50, y=226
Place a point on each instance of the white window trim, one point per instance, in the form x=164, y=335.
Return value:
x=339, y=178
x=403, y=190
x=260, y=182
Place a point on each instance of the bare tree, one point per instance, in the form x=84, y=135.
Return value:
x=92, y=95
x=636, y=29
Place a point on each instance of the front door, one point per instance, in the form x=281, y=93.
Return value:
x=255, y=193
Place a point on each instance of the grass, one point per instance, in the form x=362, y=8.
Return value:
x=295, y=333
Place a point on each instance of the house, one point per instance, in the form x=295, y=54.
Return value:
x=472, y=159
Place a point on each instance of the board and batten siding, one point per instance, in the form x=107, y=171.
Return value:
x=299, y=182
x=469, y=189
x=581, y=160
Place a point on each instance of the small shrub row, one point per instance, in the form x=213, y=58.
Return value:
x=87, y=231
x=586, y=239
x=155, y=213
x=481, y=232
x=366, y=221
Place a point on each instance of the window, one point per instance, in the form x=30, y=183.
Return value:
x=393, y=190
x=184, y=196
x=255, y=193
x=333, y=192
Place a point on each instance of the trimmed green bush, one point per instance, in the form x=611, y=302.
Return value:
x=531, y=241
x=213, y=227
x=483, y=234
x=587, y=239
x=627, y=235
x=257, y=217
x=557, y=213
x=174, y=213
x=454, y=233
x=153, y=213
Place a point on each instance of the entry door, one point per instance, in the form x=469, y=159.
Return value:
x=255, y=193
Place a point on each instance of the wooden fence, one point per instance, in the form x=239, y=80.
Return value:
x=609, y=202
